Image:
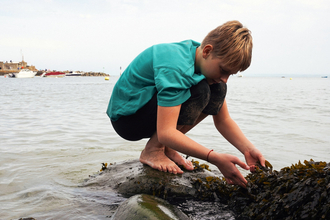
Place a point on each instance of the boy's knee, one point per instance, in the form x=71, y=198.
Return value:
x=218, y=95
x=193, y=107
x=202, y=93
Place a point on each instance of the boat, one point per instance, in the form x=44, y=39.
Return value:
x=23, y=73
x=53, y=74
x=73, y=74
x=10, y=75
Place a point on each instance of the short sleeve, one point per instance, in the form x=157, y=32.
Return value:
x=173, y=88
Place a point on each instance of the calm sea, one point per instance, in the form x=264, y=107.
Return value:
x=54, y=133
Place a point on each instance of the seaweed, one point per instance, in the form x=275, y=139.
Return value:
x=299, y=191
x=296, y=192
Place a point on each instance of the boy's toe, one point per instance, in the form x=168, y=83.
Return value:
x=188, y=165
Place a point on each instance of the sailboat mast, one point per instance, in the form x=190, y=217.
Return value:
x=22, y=55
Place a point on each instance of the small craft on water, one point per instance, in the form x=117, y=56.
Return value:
x=23, y=73
x=73, y=74
x=53, y=74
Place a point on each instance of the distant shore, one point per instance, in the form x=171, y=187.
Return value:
x=39, y=73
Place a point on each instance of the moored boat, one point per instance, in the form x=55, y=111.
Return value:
x=53, y=74
x=73, y=74
x=23, y=73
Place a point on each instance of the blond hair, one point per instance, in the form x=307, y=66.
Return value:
x=232, y=43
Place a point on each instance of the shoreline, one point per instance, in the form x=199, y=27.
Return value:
x=39, y=73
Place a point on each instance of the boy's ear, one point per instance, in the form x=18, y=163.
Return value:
x=207, y=50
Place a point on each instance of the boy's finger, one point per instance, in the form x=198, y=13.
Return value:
x=241, y=181
x=262, y=160
x=252, y=168
x=229, y=181
x=242, y=164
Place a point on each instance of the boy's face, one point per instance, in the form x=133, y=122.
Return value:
x=214, y=70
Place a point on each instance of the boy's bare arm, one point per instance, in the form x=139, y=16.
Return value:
x=171, y=137
x=231, y=131
x=168, y=134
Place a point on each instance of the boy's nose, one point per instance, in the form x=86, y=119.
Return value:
x=224, y=79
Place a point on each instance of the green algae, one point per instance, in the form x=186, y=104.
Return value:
x=143, y=206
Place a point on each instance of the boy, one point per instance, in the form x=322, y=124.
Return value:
x=170, y=88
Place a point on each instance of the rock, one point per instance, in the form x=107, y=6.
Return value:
x=148, y=207
x=301, y=191
x=296, y=192
x=132, y=177
x=94, y=74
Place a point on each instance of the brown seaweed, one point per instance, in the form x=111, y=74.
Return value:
x=301, y=191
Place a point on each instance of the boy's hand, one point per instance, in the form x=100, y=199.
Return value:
x=253, y=157
x=226, y=164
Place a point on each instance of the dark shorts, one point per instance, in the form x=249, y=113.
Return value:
x=205, y=98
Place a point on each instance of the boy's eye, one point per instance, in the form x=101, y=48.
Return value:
x=223, y=71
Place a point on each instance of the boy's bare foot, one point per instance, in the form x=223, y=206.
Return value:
x=157, y=159
x=177, y=158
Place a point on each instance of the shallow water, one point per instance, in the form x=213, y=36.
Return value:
x=55, y=133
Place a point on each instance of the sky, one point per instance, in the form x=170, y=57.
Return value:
x=289, y=36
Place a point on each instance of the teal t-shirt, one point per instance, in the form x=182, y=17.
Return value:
x=164, y=68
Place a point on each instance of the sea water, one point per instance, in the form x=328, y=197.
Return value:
x=54, y=133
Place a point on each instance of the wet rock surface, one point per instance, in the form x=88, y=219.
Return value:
x=129, y=178
x=132, y=177
x=148, y=207
x=297, y=192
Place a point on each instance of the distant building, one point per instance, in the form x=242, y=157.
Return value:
x=10, y=66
